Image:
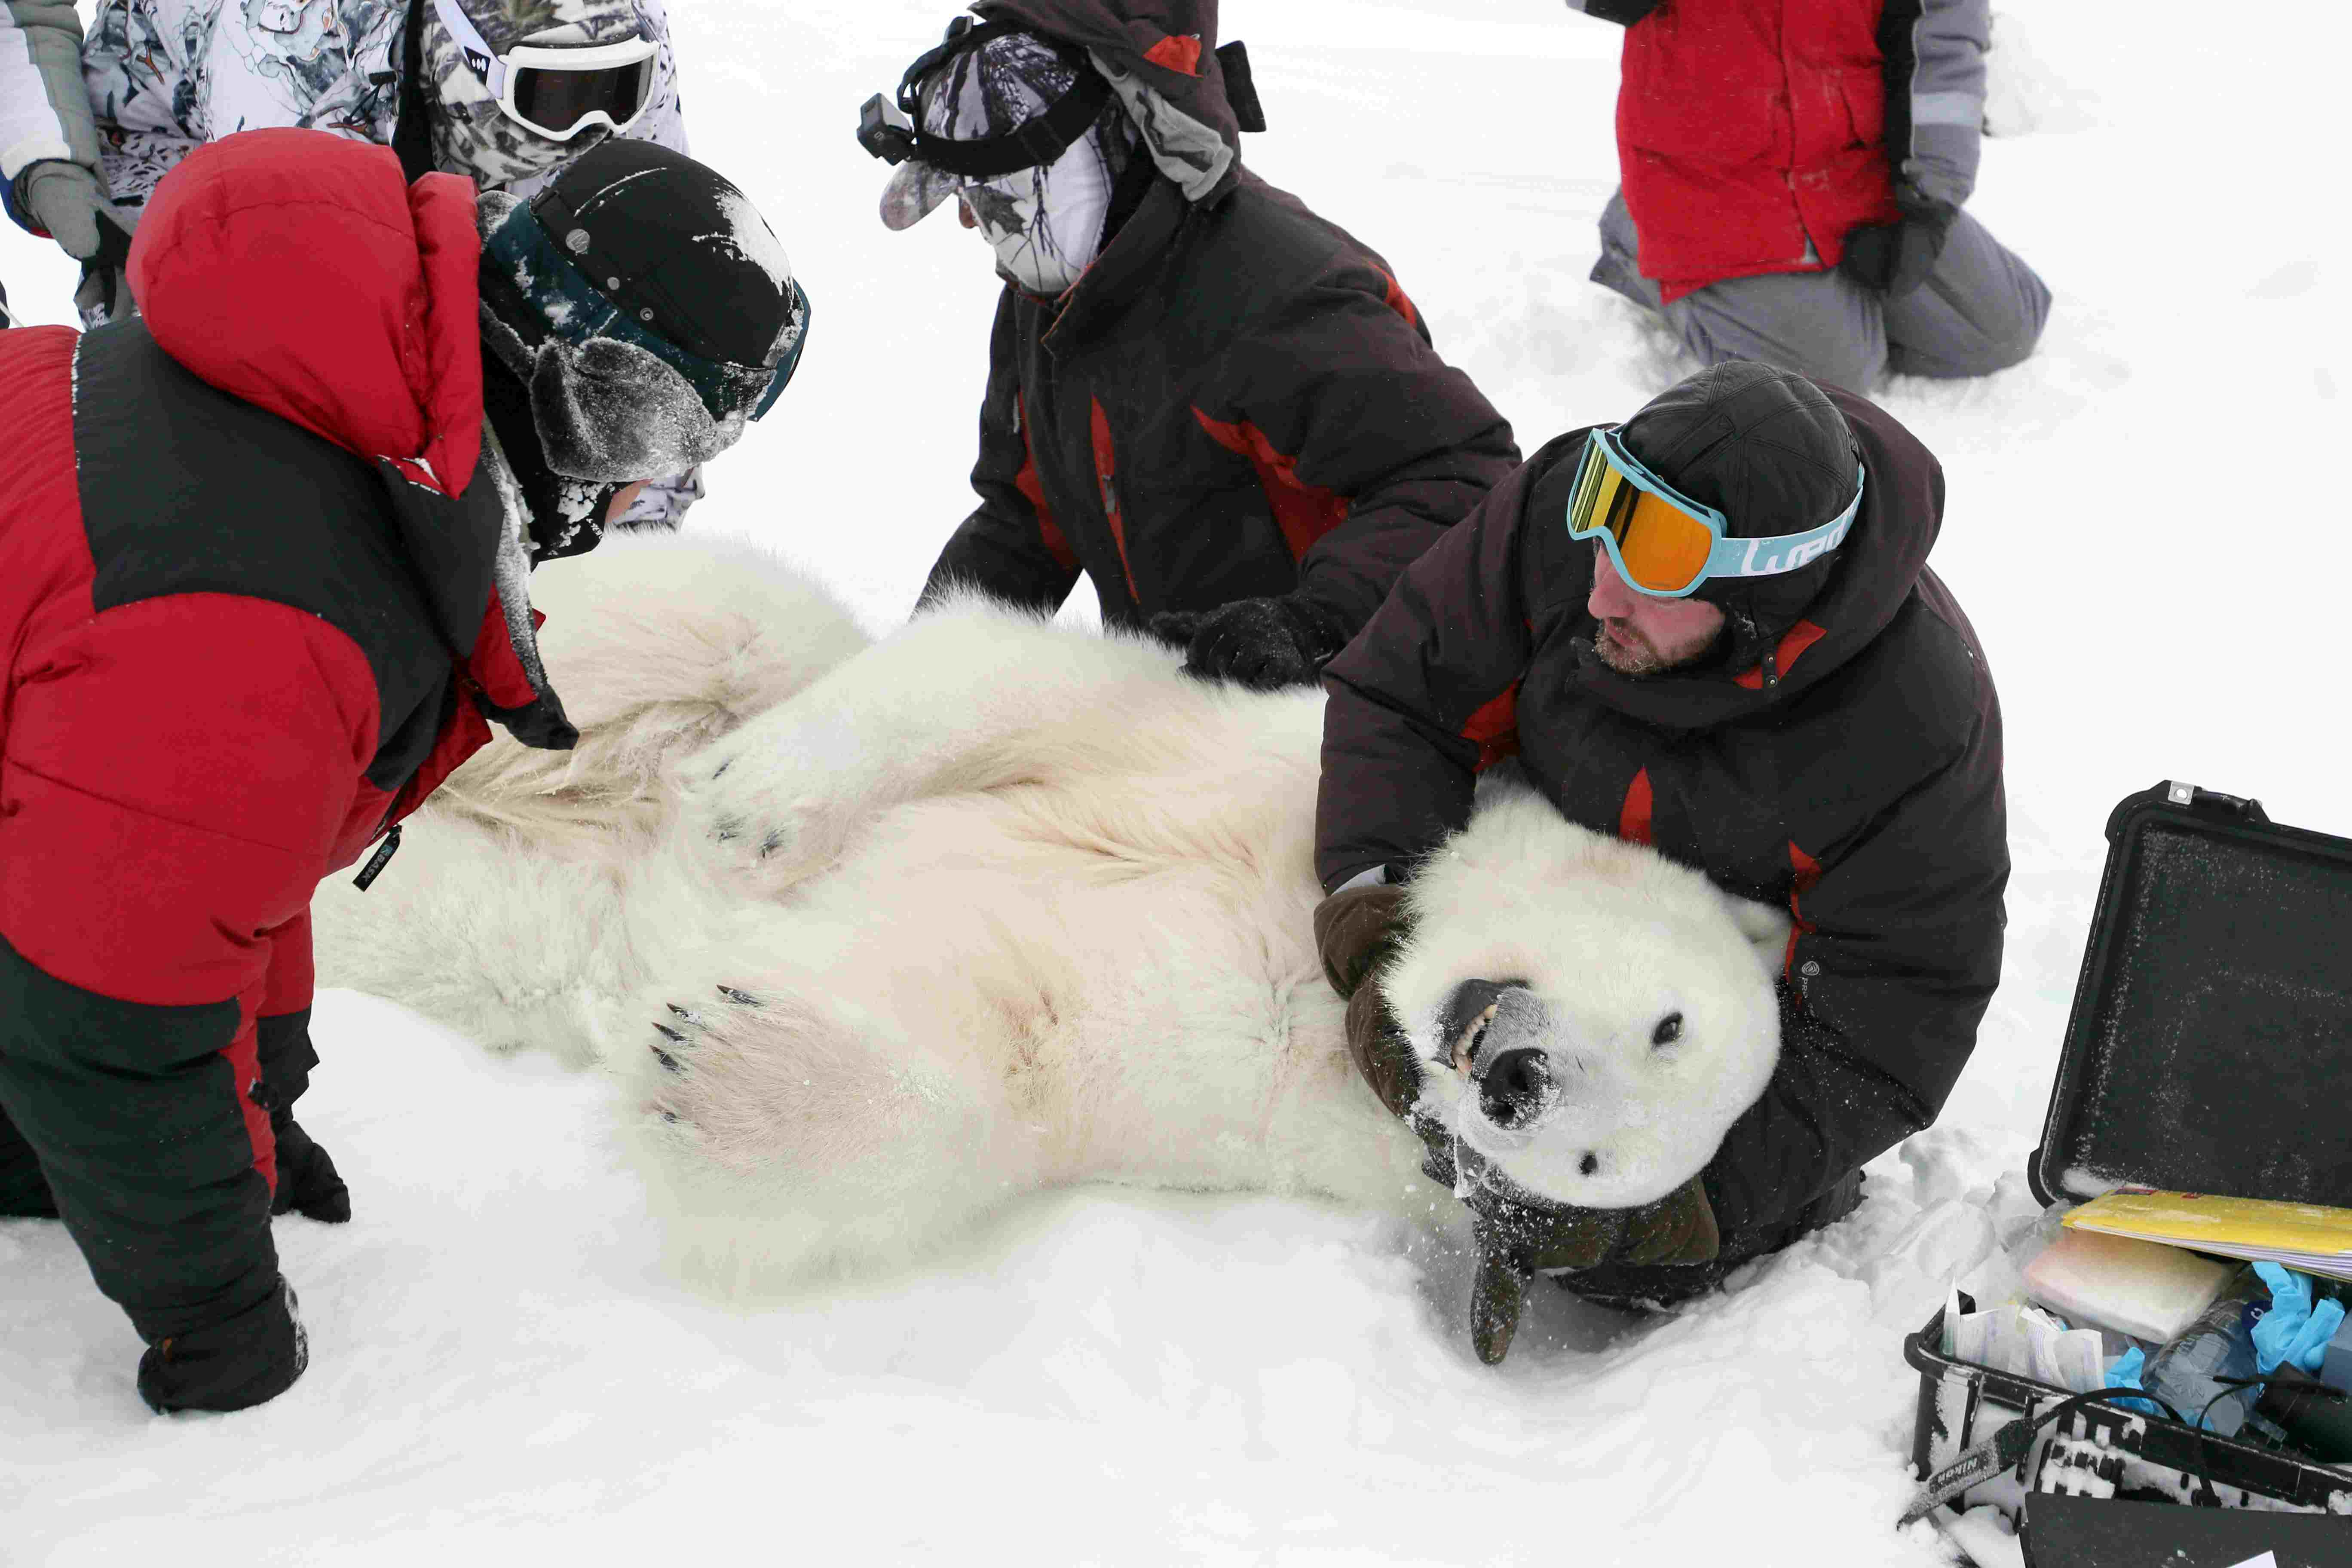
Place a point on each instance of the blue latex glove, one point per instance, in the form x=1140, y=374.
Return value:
x=2293, y=1333
x=2123, y=1372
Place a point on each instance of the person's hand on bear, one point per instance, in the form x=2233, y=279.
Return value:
x=1356, y=934
x=1262, y=644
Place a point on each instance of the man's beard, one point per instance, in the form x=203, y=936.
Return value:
x=1627, y=652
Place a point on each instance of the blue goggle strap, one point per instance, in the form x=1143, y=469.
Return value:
x=1729, y=557
x=1785, y=551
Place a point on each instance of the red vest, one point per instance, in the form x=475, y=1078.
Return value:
x=1748, y=130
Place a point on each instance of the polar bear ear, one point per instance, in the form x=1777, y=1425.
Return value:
x=1766, y=928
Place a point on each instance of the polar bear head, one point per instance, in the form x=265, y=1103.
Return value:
x=1588, y=1016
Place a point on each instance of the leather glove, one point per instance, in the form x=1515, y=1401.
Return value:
x=1356, y=933
x=1262, y=644
x=233, y=1366
x=1518, y=1238
x=69, y=201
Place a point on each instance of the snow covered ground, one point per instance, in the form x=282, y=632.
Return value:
x=2143, y=521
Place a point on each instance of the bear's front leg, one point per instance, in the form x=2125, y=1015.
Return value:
x=953, y=701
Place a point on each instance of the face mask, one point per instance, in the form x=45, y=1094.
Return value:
x=1046, y=224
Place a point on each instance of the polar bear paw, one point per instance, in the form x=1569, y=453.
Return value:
x=756, y=819
x=790, y=1132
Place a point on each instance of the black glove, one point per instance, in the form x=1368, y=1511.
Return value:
x=232, y=1365
x=306, y=1182
x=1262, y=644
x=1518, y=1237
x=70, y=202
x=104, y=294
x=1896, y=257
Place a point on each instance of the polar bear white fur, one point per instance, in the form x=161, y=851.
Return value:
x=995, y=905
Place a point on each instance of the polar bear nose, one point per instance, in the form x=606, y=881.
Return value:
x=1515, y=1085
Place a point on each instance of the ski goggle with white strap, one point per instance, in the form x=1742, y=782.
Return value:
x=1665, y=545
x=558, y=92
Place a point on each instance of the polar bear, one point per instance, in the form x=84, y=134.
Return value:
x=995, y=904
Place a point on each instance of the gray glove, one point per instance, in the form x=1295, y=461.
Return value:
x=71, y=203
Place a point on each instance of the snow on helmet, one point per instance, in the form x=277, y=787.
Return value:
x=641, y=311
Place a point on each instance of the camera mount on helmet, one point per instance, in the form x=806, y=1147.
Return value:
x=895, y=135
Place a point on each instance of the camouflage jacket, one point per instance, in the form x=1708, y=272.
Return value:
x=166, y=76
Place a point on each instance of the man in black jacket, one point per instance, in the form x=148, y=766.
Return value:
x=1812, y=723
x=1219, y=407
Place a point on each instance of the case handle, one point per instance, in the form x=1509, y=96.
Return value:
x=2177, y=793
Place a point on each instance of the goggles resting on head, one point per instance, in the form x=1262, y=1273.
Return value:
x=1665, y=545
x=524, y=249
x=897, y=134
x=558, y=92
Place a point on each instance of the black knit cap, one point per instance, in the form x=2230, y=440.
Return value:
x=1766, y=449
x=661, y=236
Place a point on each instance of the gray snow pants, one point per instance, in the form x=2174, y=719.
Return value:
x=1980, y=310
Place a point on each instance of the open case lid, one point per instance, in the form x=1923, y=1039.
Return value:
x=2209, y=1049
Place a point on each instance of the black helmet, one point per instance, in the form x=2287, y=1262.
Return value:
x=638, y=311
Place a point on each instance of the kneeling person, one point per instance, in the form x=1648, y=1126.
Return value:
x=267, y=580
x=1219, y=407
x=1713, y=630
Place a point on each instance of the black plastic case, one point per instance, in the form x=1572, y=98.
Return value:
x=2210, y=1050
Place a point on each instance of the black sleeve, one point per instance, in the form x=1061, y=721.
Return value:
x=1009, y=546
x=1346, y=387
x=1894, y=964
x=1427, y=692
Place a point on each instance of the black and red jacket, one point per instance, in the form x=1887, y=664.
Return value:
x=1236, y=400
x=246, y=593
x=1858, y=786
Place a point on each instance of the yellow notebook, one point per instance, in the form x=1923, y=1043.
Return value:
x=2315, y=1239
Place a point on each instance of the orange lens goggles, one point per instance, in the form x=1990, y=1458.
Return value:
x=1660, y=545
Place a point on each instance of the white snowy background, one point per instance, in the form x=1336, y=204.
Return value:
x=2146, y=523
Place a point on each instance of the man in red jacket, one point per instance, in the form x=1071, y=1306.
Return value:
x=1794, y=173
x=263, y=582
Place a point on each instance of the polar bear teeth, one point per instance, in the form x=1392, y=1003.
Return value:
x=1465, y=1049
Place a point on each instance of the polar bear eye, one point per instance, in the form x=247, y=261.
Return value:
x=1669, y=1030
